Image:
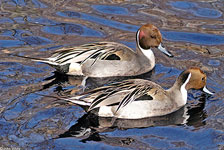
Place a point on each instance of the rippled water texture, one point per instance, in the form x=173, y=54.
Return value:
x=192, y=30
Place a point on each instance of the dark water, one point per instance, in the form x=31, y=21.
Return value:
x=192, y=30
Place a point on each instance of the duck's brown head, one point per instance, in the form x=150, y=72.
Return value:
x=193, y=78
x=148, y=36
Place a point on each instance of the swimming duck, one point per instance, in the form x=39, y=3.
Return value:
x=107, y=59
x=138, y=98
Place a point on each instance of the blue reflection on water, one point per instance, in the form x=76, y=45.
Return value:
x=76, y=29
x=99, y=20
x=19, y=20
x=72, y=29
x=42, y=115
x=39, y=4
x=22, y=37
x=35, y=40
x=114, y=10
x=54, y=27
x=166, y=135
x=196, y=10
x=23, y=3
x=5, y=20
x=213, y=62
x=41, y=21
x=14, y=112
x=197, y=38
x=6, y=33
x=183, y=5
x=19, y=2
x=207, y=12
x=10, y=43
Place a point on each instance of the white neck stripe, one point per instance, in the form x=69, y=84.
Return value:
x=138, y=38
x=183, y=89
x=188, y=78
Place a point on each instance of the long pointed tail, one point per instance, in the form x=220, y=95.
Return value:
x=74, y=100
x=32, y=58
x=43, y=60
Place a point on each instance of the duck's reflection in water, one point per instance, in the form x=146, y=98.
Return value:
x=71, y=85
x=89, y=126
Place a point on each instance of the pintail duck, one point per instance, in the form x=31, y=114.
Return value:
x=138, y=98
x=107, y=59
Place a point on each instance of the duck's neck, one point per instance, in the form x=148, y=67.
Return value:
x=178, y=91
x=147, y=54
x=179, y=95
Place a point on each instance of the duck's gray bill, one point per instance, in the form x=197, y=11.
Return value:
x=207, y=91
x=162, y=49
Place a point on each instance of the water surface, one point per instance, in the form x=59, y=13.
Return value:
x=192, y=31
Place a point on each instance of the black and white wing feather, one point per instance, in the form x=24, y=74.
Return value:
x=121, y=93
x=81, y=54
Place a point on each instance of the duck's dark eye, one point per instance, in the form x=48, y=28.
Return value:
x=203, y=79
x=153, y=36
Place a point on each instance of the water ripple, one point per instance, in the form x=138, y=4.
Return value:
x=32, y=27
x=196, y=38
x=10, y=43
x=5, y=20
x=41, y=21
x=213, y=62
x=196, y=10
x=72, y=29
x=99, y=20
x=24, y=3
x=114, y=10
